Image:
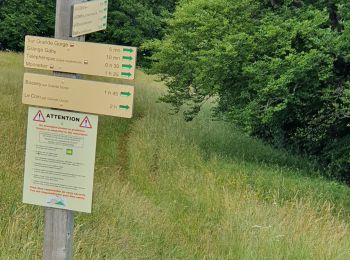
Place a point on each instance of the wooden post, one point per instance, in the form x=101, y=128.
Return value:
x=59, y=224
x=58, y=235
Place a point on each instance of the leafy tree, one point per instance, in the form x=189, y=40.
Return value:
x=21, y=17
x=129, y=22
x=278, y=68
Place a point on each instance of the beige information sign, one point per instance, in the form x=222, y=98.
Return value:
x=89, y=17
x=60, y=158
x=106, y=60
x=78, y=95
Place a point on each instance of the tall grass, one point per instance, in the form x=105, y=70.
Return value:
x=232, y=197
x=166, y=189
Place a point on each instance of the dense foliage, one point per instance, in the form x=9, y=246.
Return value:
x=21, y=17
x=129, y=22
x=279, y=68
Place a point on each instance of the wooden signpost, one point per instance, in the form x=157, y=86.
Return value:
x=78, y=95
x=59, y=223
x=96, y=59
x=89, y=17
x=65, y=55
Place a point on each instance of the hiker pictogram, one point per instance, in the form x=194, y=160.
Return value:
x=39, y=117
x=86, y=123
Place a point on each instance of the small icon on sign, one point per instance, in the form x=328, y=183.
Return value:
x=39, y=117
x=86, y=123
x=69, y=151
x=57, y=201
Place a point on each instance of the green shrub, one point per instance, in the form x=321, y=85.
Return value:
x=337, y=157
x=279, y=69
x=129, y=22
x=25, y=17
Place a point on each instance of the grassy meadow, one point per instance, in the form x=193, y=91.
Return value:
x=167, y=189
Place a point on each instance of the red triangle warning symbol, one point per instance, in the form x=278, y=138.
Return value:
x=39, y=117
x=86, y=123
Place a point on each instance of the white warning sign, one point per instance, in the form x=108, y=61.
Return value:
x=60, y=159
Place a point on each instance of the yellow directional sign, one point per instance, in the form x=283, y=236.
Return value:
x=106, y=60
x=78, y=95
x=89, y=17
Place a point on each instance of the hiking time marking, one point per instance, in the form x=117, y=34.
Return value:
x=89, y=17
x=96, y=59
x=78, y=95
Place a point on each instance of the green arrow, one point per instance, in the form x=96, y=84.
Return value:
x=125, y=94
x=127, y=58
x=128, y=50
x=126, y=66
x=126, y=74
x=124, y=107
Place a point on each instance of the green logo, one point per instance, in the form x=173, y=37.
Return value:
x=69, y=151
